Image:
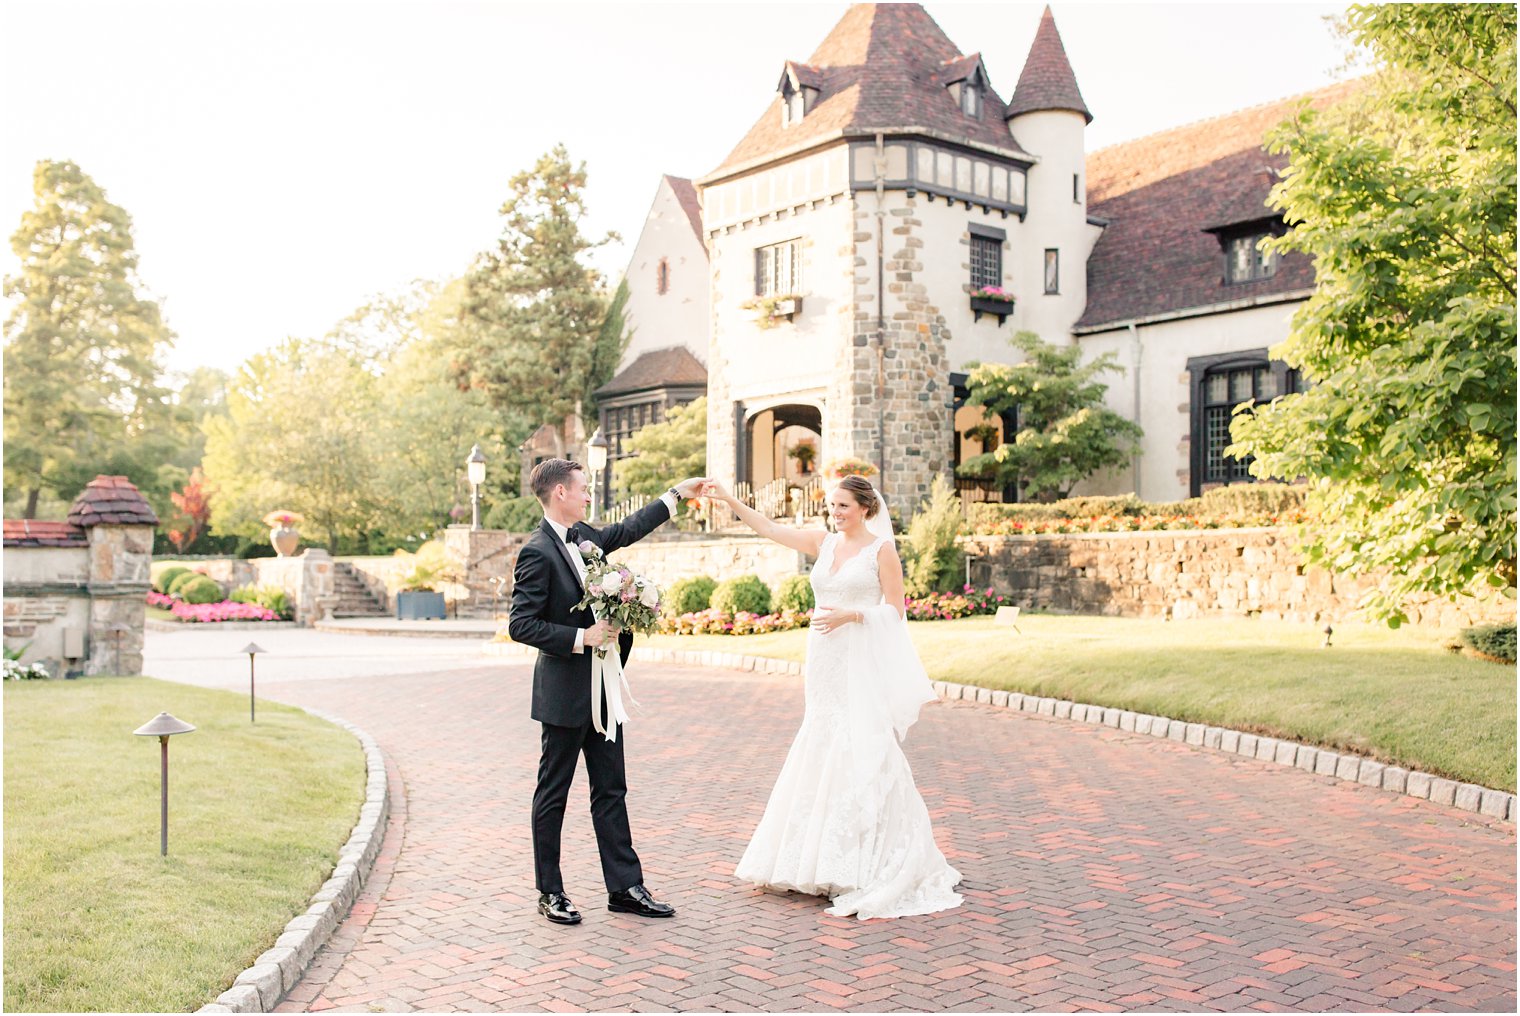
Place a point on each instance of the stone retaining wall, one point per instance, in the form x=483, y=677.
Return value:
x=1179, y=574
x=307, y=578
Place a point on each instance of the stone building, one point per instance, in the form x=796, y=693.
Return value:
x=850, y=230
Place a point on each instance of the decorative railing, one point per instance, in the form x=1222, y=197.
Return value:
x=779, y=499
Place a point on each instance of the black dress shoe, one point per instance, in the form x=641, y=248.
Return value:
x=636, y=900
x=558, y=908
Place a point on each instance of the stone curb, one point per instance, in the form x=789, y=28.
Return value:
x=1484, y=801
x=1497, y=804
x=261, y=987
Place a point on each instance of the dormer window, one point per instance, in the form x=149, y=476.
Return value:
x=792, y=108
x=971, y=98
x=1240, y=243
x=799, y=90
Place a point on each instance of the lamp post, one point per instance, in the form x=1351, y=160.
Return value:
x=252, y=649
x=475, y=467
x=596, y=459
x=163, y=726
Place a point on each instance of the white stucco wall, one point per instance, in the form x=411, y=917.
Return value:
x=678, y=317
x=1055, y=221
x=1163, y=352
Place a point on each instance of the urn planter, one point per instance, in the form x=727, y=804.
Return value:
x=423, y=605
x=285, y=540
x=986, y=305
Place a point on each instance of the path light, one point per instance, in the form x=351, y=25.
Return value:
x=252, y=649
x=475, y=468
x=163, y=726
x=1328, y=632
x=596, y=459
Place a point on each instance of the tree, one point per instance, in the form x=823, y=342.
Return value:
x=82, y=346
x=298, y=434
x=194, y=512
x=1065, y=434
x=665, y=451
x=532, y=314
x=1404, y=195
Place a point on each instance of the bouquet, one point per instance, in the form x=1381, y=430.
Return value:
x=629, y=601
x=616, y=594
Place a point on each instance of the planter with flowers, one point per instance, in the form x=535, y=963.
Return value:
x=840, y=468
x=775, y=308
x=993, y=300
x=283, y=535
x=804, y=453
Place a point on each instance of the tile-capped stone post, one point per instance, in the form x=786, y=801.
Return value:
x=119, y=523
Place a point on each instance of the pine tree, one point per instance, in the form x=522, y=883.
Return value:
x=82, y=346
x=533, y=311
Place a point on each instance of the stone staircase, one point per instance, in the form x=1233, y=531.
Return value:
x=354, y=596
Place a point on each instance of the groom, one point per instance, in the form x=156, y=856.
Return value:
x=547, y=584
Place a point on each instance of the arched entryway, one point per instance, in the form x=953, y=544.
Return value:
x=778, y=439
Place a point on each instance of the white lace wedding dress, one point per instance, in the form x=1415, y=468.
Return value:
x=845, y=819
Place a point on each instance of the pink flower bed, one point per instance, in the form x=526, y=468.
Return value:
x=227, y=610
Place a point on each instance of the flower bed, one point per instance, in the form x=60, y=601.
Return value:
x=949, y=606
x=1133, y=523
x=227, y=610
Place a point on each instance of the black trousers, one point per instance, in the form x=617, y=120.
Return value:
x=609, y=809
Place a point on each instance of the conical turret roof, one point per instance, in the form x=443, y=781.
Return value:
x=1047, y=81
x=883, y=67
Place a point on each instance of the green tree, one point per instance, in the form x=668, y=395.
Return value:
x=298, y=434
x=82, y=345
x=1404, y=195
x=532, y=315
x=665, y=452
x=1065, y=434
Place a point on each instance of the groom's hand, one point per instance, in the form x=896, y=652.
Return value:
x=600, y=634
x=691, y=488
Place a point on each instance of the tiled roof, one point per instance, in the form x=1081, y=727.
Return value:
x=659, y=368
x=32, y=533
x=1047, y=81
x=111, y=501
x=686, y=194
x=880, y=68
x=1160, y=193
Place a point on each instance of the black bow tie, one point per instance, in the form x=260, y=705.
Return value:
x=569, y=539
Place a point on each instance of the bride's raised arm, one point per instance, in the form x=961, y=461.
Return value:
x=807, y=541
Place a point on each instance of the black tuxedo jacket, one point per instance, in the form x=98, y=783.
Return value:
x=545, y=590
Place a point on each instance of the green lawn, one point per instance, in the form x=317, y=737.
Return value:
x=1398, y=696
x=95, y=919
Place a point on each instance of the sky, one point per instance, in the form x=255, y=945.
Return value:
x=284, y=162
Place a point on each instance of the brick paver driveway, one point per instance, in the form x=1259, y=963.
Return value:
x=1103, y=870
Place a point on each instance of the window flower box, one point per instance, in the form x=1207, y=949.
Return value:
x=991, y=300
x=773, y=309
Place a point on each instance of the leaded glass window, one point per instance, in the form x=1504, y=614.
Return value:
x=986, y=262
x=778, y=269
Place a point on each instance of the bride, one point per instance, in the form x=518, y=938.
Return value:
x=845, y=819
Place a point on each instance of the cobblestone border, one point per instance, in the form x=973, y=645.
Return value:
x=261, y=987
x=1353, y=768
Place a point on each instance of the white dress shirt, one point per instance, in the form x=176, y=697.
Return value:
x=580, y=563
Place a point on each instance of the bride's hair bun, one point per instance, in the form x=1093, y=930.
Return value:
x=865, y=496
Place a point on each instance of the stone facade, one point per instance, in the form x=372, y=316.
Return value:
x=74, y=591
x=486, y=557
x=1196, y=574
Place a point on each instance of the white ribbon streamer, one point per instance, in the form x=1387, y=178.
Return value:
x=607, y=674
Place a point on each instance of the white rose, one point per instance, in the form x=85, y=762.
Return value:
x=612, y=583
x=649, y=596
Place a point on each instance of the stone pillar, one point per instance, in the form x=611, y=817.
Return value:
x=119, y=524
x=485, y=557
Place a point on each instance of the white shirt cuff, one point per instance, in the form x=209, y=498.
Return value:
x=670, y=502
x=580, y=640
